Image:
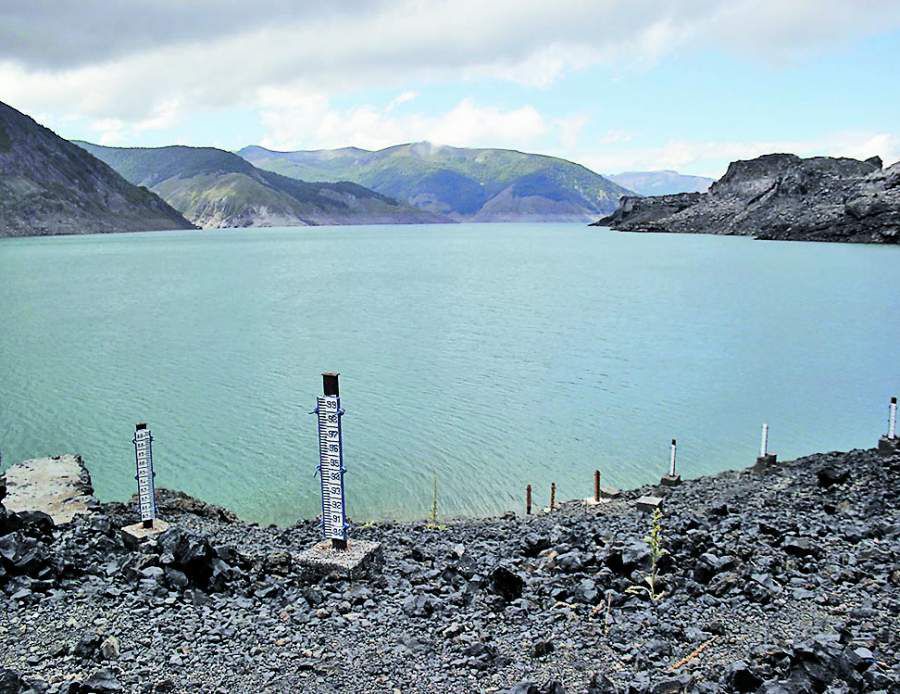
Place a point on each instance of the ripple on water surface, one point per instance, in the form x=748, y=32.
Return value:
x=491, y=356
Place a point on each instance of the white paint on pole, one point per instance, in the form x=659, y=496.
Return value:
x=892, y=419
x=672, y=460
x=764, y=442
x=331, y=467
x=143, y=456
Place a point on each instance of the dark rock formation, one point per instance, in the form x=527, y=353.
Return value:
x=50, y=186
x=772, y=582
x=781, y=197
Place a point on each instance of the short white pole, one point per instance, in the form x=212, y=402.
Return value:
x=672, y=460
x=764, y=442
x=892, y=419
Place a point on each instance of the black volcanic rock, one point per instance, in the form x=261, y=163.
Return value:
x=50, y=186
x=781, y=197
x=771, y=583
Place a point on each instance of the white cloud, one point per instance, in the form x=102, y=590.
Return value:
x=295, y=119
x=611, y=137
x=146, y=62
x=401, y=99
x=116, y=131
x=711, y=157
x=570, y=129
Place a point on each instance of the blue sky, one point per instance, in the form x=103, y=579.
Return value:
x=617, y=86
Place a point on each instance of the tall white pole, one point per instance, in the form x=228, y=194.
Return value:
x=672, y=460
x=892, y=419
x=764, y=442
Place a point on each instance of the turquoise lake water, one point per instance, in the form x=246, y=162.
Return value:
x=492, y=356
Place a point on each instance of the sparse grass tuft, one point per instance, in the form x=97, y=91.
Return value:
x=657, y=552
x=433, y=521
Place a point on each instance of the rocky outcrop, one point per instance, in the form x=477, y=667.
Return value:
x=59, y=486
x=784, y=580
x=50, y=186
x=780, y=197
x=172, y=502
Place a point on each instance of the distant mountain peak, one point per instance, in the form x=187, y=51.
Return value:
x=466, y=184
x=662, y=182
x=215, y=188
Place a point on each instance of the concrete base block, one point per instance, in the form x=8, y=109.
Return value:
x=134, y=534
x=649, y=503
x=591, y=501
x=764, y=462
x=59, y=486
x=361, y=559
x=670, y=480
x=609, y=492
x=888, y=447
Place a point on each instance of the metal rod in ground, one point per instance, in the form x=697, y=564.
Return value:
x=597, y=485
x=552, y=496
x=892, y=419
x=528, y=500
x=764, y=442
x=672, y=459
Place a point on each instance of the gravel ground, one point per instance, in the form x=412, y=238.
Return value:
x=781, y=581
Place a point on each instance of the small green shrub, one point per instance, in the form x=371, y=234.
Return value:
x=433, y=521
x=657, y=552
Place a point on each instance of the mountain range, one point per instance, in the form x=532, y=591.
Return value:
x=781, y=197
x=462, y=184
x=50, y=186
x=665, y=182
x=214, y=188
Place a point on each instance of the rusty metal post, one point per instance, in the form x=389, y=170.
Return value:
x=552, y=496
x=597, y=486
x=528, y=500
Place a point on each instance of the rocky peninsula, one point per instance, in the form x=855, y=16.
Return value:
x=779, y=197
x=784, y=579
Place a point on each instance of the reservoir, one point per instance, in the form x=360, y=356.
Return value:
x=485, y=356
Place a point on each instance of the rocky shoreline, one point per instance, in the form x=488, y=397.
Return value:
x=780, y=580
x=779, y=197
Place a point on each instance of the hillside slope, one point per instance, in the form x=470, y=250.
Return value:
x=664, y=182
x=481, y=185
x=214, y=188
x=49, y=186
x=780, y=196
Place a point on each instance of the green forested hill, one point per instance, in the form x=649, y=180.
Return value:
x=215, y=188
x=460, y=183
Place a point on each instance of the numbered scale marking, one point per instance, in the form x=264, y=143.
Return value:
x=331, y=467
x=143, y=456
